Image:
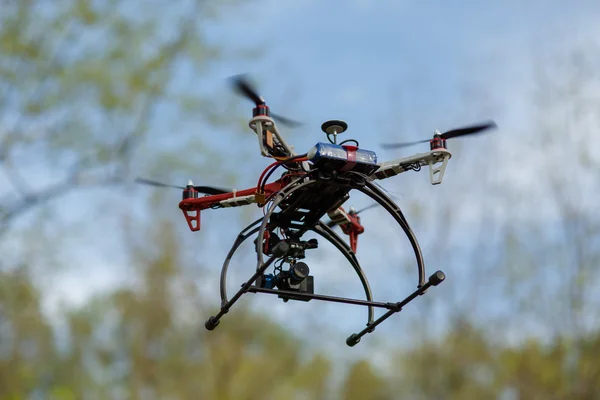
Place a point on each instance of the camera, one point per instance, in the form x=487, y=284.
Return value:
x=296, y=279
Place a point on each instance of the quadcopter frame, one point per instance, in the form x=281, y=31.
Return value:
x=316, y=184
x=303, y=198
x=308, y=185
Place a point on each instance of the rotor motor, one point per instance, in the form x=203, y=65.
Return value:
x=437, y=142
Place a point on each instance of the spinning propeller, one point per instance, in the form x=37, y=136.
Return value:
x=467, y=130
x=242, y=86
x=200, y=189
x=331, y=224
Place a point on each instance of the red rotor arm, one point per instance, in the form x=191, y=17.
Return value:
x=192, y=206
x=352, y=229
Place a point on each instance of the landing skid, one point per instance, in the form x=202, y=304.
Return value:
x=282, y=249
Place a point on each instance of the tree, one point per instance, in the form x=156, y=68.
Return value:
x=364, y=382
x=82, y=85
x=466, y=364
x=458, y=365
x=26, y=338
x=148, y=341
x=530, y=302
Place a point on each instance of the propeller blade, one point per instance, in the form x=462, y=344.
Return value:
x=211, y=190
x=200, y=189
x=332, y=224
x=155, y=183
x=405, y=144
x=286, y=121
x=367, y=208
x=242, y=85
x=469, y=130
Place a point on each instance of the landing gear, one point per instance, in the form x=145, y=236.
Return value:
x=294, y=282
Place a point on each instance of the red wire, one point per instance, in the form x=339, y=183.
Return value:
x=275, y=164
x=264, y=173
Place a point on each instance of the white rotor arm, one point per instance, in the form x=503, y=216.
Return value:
x=268, y=135
x=436, y=160
x=339, y=216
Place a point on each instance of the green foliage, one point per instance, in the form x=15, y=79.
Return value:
x=456, y=366
x=363, y=382
x=27, y=351
x=466, y=364
x=82, y=83
x=149, y=340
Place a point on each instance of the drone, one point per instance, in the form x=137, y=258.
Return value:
x=311, y=186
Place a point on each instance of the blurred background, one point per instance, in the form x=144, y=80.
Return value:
x=104, y=290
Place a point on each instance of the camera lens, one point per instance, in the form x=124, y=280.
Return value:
x=299, y=272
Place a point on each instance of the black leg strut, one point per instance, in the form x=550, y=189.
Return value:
x=280, y=250
x=434, y=280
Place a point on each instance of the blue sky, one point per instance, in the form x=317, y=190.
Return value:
x=394, y=70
